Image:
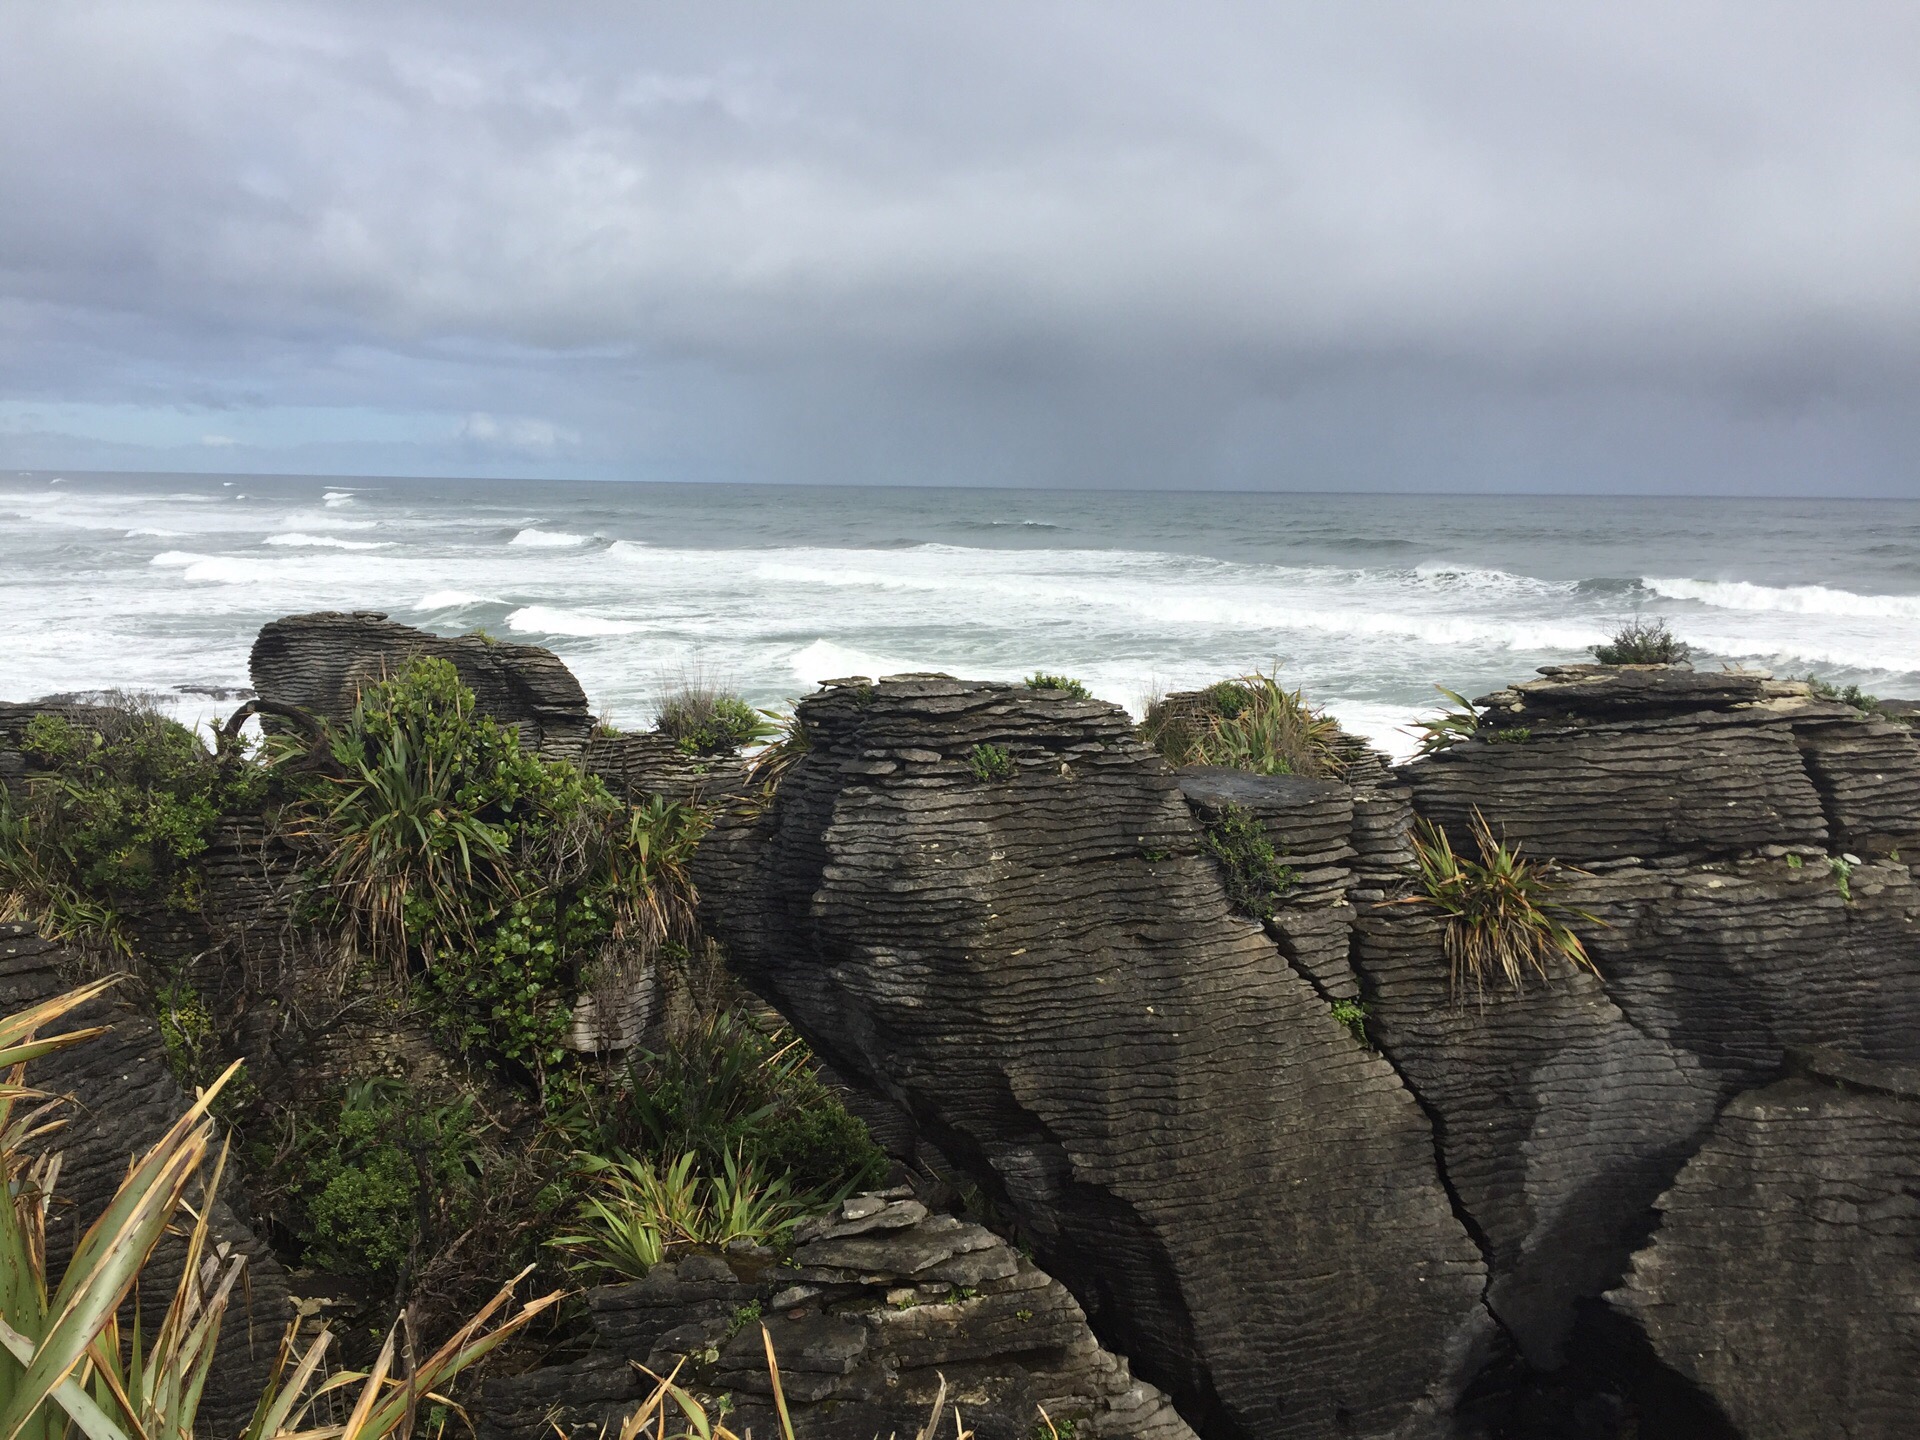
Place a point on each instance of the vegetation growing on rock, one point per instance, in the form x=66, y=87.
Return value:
x=1644, y=641
x=1501, y=918
x=1250, y=722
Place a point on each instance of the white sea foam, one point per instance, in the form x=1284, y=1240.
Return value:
x=826, y=660
x=552, y=620
x=451, y=600
x=298, y=538
x=172, y=558
x=1788, y=599
x=549, y=539
x=337, y=497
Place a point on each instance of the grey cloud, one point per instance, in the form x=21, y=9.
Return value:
x=1624, y=246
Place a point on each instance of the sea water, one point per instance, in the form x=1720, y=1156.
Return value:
x=1367, y=602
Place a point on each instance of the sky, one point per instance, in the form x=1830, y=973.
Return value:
x=1641, y=246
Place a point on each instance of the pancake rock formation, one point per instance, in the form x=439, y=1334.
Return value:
x=992, y=905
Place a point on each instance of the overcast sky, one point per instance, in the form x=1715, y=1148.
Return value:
x=1656, y=245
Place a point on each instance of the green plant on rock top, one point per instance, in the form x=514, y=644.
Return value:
x=1643, y=641
x=705, y=720
x=990, y=763
x=642, y=1210
x=1251, y=723
x=1449, y=727
x=1041, y=680
x=1845, y=695
x=505, y=880
x=1501, y=920
x=1255, y=879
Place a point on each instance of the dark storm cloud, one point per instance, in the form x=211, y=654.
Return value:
x=1460, y=246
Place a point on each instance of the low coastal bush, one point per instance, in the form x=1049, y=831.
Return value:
x=726, y=1089
x=1255, y=878
x=1643, y=642
x=1501, y=919
x=1040, y=680
x=375, y=1176
x=504, y=881
x=1251, y=723
x=706, y=720
x=112, y=813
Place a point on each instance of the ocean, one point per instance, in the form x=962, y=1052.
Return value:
x=1367, y=602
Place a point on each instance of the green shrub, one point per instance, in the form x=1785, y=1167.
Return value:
x=1501, y=919
x=703, y=719
x=1247, y=723
x=1845, y=695
x=364, y=1174
x=115, y=809
x=1255, y=878
x=1040, y=680
x=1842, y=867
x=990, y=763
x=1643, y=642
x=499, y=877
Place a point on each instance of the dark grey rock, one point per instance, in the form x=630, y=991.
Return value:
x=1784, y=1279
x=320, y=663
x=1243, y=1198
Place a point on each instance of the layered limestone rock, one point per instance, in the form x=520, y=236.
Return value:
x=1784, y=1280
x=1730, y=927
x=125, y=1099
x=321, y=662
x=884, y=1302
x=991, y=904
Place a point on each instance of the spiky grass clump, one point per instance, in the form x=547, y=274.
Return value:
x=1643, y=642
x=644, y=1210
x=1502, y=921
x=1251, y=722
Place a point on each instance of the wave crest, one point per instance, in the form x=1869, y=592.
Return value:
x=1787, y=599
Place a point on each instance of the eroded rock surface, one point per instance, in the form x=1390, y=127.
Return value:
x=1784, y=1280
x=885, y=1302
x=990, y=904
x=1706, y=808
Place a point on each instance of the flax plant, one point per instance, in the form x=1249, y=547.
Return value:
x=1500, y=918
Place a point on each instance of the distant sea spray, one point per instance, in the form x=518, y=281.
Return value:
x=1365, y=601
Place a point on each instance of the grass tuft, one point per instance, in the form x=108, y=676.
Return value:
x=990, y=763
